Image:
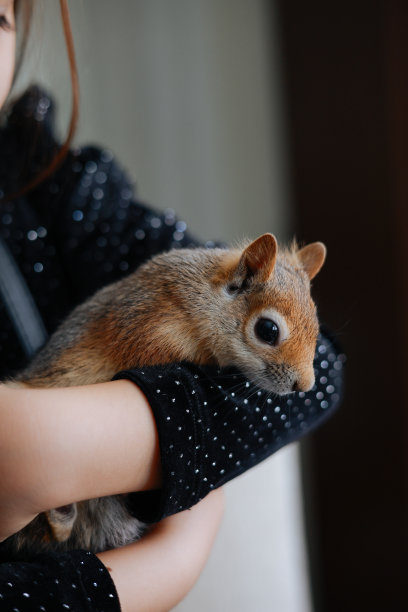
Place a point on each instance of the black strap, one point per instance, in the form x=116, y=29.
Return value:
x=19, y=304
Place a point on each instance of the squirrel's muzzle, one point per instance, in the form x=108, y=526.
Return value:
x=304, y=382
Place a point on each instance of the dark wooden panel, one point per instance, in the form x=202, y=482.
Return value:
x=346, y=72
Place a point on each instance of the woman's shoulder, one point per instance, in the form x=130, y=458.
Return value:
x=89, y=187
x=28, y=143
x=89, y=206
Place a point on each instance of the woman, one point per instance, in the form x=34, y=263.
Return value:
x=73, y=226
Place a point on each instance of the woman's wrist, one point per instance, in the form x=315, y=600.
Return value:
x=63, y=445
x=158, y=571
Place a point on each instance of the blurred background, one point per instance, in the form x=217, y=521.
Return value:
x=247, y=116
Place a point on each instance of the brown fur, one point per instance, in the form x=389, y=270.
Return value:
x=198, y=305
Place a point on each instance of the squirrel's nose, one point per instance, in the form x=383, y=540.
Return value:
x=303, y=384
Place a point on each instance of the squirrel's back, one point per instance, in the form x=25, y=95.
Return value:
x=248, y=307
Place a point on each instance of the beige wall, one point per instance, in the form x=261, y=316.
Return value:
x=187, y=95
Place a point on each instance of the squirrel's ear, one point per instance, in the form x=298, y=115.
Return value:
x=312, y=258
x=259, y=257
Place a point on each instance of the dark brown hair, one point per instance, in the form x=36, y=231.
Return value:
x=24, y=13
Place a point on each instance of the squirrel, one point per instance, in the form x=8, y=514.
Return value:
x=248, y=307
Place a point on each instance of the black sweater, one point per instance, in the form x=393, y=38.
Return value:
x=78, y=231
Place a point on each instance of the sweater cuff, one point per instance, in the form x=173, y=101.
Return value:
x=95, y=580
x=75, y=580
x=174, y=409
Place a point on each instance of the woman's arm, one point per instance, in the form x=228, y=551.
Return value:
x=155, y=573
x=63, y=445
x=48, y=458
x=151, y=575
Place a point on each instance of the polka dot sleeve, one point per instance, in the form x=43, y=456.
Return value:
x=213, y=425
x=103, y=232
x=63, y=581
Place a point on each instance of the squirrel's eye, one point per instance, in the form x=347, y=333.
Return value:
x=233, y=288
x=267, y=331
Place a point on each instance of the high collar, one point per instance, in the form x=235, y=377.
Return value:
x=27, y=141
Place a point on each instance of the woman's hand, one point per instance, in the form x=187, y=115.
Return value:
x=67, y=444
x=155, y=573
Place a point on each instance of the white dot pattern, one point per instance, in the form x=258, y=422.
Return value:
x=205, y=443
x=56, y=582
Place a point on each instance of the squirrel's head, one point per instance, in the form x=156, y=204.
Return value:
x=270, y=314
